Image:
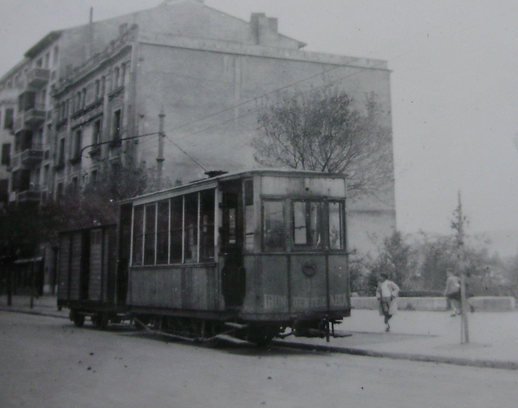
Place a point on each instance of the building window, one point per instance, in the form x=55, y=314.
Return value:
x=78, y=141
x=46, y=171
x=93, y=176
x=123, y=74
x=6, y=154
x=59, y=189
x=97, y=89
x=61, y=152
x=9, y=118
x=117, y=117
x=116, y=78
x=56, y=55
x=47, y=60
x=96, y=138
x=4, y=190
x=75, y=184
x=103, y=85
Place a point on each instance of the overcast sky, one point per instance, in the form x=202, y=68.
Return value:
x=454, y=86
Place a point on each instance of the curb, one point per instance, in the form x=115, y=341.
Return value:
x=505, y=365
x=32, y=312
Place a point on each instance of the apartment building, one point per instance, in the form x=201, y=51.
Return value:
x=82, y=97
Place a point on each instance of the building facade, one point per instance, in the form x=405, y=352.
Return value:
x=86, y=96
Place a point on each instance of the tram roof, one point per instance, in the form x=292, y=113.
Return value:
x=212, y=182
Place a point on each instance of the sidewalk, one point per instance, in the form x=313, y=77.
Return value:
x=428, y=336
x=418, y=336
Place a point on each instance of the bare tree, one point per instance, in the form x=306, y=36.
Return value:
x=322, y=131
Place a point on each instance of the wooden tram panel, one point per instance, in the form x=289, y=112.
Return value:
x=87, y=269
x=284, y=285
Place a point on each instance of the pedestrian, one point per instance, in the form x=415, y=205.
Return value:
x=452, y=291
x=387, y=293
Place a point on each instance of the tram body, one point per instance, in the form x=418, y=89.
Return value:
x=261, y=251
x=266, y=248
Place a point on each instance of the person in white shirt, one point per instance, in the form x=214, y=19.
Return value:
x=452, y=291
x=387, y=293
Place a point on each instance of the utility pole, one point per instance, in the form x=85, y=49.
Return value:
x=160, y=158
x=464, y=332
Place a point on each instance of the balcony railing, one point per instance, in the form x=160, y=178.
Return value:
x=19, y=124
x=38, y=77
x=31, y=195
x=35, y=116
x=30, y=119
x=28, y=157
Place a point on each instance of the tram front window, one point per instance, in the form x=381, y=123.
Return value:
x=336, y=225
x=307, y=224
x=273, y=226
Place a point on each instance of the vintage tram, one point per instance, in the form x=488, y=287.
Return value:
x=244, y=256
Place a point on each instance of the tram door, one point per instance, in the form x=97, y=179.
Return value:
x=233, y=271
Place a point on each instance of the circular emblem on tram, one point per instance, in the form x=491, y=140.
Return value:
x=309, y=267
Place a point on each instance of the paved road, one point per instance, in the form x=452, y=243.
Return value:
x=47, y=362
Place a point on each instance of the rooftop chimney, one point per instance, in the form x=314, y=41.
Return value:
x=264, y=29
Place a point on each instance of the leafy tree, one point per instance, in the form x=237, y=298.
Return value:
x=322, y=131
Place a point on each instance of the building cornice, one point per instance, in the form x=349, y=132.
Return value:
x=167, y=40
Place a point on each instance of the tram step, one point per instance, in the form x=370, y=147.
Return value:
x=230, y=339
x=236, y=325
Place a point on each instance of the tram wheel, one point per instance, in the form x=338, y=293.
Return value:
x=100, y=320
x=78, y=319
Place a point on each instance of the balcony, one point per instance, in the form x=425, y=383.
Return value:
x=31, y=195
x=19, y=124
x=35, y=116
x=30, y=119
x=27, y=158
x=38, y=77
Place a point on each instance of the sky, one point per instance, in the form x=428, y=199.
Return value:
x=454, y=87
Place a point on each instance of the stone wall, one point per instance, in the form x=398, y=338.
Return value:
x=439, y=304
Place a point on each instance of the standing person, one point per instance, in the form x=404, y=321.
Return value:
x=452, y=291
x=387, y=293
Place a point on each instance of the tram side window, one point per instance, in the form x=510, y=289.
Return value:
x=191, y=227
x=138, y=234
x=249, y=215
x=273, y=226
x=207, y=225
x=176, y=229
x=307, y=224
x=336, y=225
x=162, y=235
x=150, y=235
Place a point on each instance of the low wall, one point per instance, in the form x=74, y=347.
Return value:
x=438, y=304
